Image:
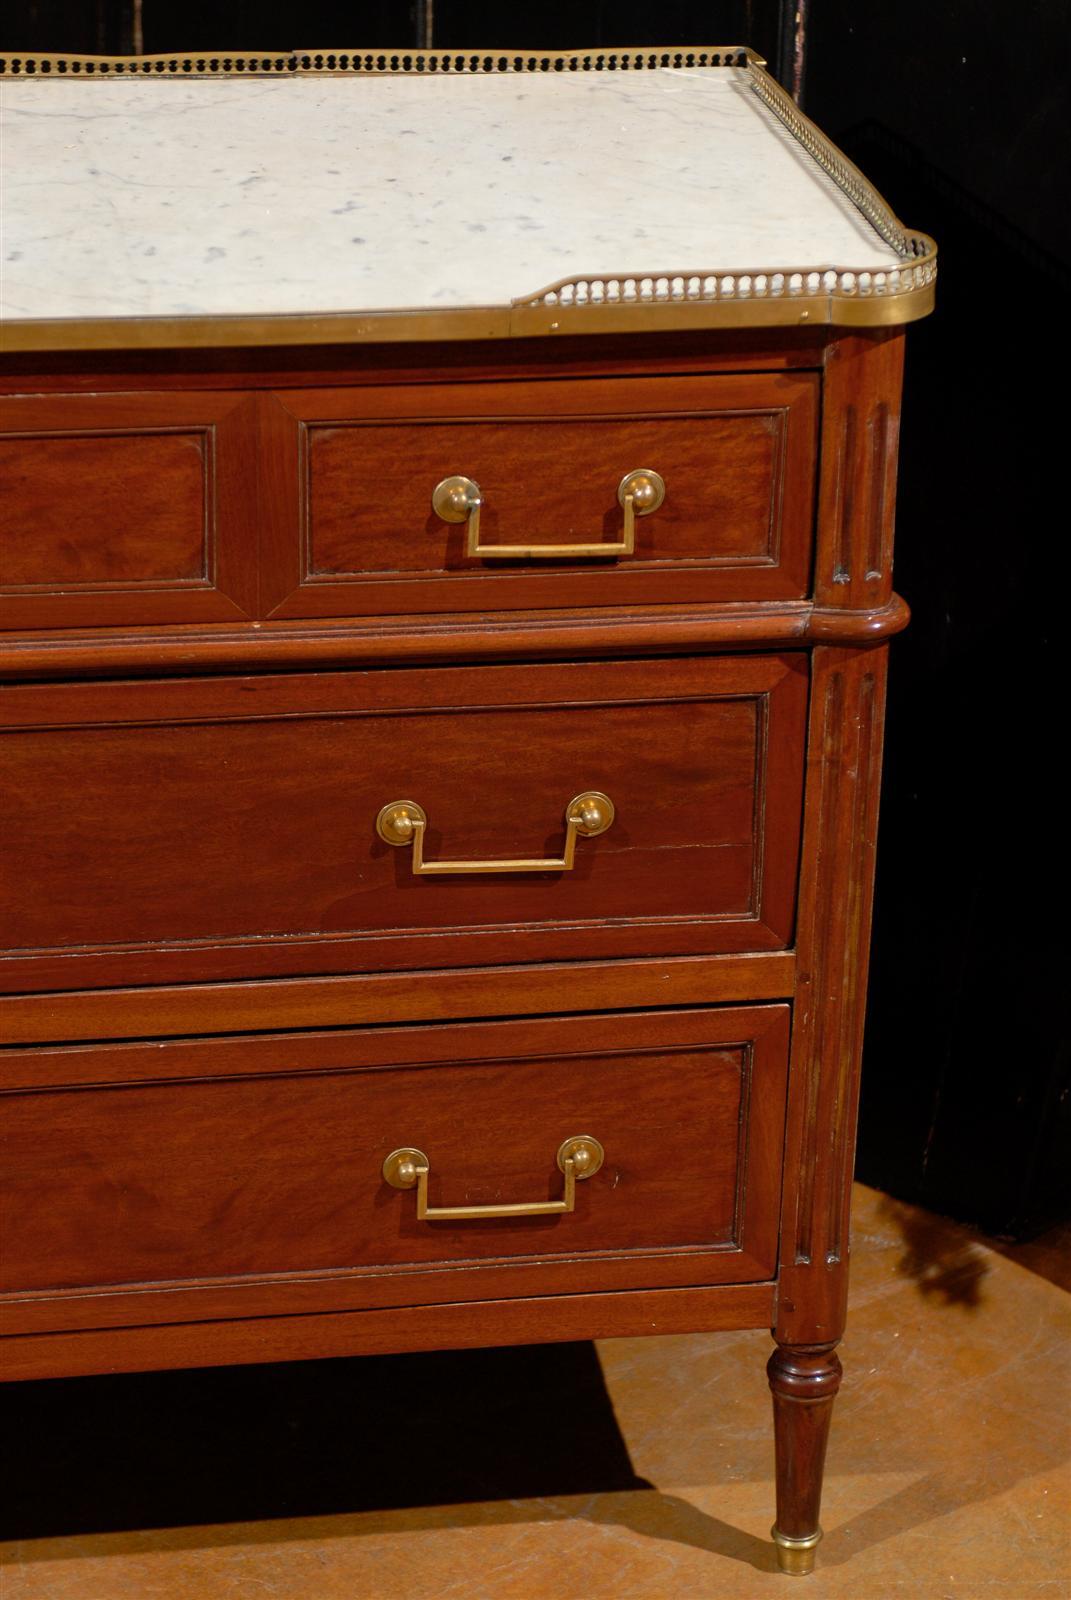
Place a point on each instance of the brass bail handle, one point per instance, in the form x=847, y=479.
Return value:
x=580, y=1156
x=404, y=822
x=459, y=499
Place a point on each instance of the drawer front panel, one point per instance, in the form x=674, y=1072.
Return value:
x=273, y=1165
x=127, y=508
x=354, y=531
x=170, y=831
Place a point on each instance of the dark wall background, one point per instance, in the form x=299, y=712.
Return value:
x=960, y=116
x=119, y=26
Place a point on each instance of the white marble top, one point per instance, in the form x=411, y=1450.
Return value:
x=232, y=197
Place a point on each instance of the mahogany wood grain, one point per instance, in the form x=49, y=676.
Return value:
x=197, y=881
x=96, y=511
x=260, y=1172
x=388, y=641
x=39, y=1067
x=547, y=1319
x=804, y=1384
x=471, y=360
x=840, y=828
x=215, y=827
x=175, y=1009
x=857, y=486
x=350, y=473
x=126, y=508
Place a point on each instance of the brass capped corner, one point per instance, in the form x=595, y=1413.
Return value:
x=796, y=1556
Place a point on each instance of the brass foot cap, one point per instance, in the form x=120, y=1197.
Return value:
x=796, y=1556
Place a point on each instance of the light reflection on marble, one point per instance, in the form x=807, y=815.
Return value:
x=239, y=197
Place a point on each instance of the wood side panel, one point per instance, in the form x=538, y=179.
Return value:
x=840, y=827
x=126, y=509
x=350, y=475
x=857, y=483
x=226, y=827
x=543, y=1320
x=263, y=1189
x=392, y=997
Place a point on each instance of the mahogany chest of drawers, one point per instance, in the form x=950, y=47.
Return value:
x=440, y=757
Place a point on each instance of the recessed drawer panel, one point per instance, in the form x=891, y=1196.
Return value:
x=558, y=493
x=126, y=508
x=165, y=831
x=254, y=1175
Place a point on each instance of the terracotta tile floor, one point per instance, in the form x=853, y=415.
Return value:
x=514, y=1475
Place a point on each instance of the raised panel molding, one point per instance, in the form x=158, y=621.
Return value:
x=139, y=507
x=107, y=511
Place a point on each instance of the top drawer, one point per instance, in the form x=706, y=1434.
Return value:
x=351, y=530
x=186, y=507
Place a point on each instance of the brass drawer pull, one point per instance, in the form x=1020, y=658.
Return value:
x=578, y=1157
x=458, y=499
x=403, y=822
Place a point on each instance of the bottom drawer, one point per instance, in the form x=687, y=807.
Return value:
x=213, y=1178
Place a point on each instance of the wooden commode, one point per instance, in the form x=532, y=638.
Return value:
x=446, y=508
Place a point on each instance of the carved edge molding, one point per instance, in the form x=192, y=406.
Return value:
x=804, y=1375
x=840, y=825
x=375, y=640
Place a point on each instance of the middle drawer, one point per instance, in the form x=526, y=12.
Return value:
x=218, y=828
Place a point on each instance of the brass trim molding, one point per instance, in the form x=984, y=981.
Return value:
x=620, y=302
x=845, y=295
x=361, y=63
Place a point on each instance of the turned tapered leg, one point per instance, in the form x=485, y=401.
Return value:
x=804, y=1381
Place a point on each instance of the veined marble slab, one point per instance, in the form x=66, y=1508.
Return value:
x=241, y=197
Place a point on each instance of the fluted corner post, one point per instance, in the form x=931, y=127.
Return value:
x=804, y=1383
x=861, y=408
x=840, y=826
x=857, y=475
x=832, y=943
